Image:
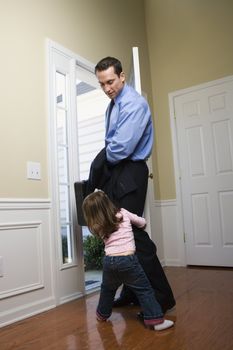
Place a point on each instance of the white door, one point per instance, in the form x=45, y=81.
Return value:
x=204, y=129
x=135, y=81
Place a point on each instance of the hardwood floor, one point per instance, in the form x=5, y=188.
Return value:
x=203, y=315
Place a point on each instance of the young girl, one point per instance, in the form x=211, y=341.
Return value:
x=120, y=264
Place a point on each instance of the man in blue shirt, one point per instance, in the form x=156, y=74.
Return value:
x=120, y=169
x=129, y=130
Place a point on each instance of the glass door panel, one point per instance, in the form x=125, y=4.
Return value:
x=63, y=162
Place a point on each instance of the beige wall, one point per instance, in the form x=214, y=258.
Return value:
x=190, y=42
x=90, y=28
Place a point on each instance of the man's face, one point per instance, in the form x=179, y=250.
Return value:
x=110, y=82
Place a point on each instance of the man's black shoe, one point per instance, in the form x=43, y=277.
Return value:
x=124, y=302
x=121, y=302
x=168, y=307
x=140, y=316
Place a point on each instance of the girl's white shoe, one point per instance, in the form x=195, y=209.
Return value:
x=166, y=324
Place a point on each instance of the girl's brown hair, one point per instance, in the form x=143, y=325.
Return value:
x=100, y=214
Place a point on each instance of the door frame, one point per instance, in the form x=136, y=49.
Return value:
x=63, y=275
x=179, y=206
x=135, y=72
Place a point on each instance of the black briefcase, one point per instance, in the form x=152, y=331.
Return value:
x=80, y=194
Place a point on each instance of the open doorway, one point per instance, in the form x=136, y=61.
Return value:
x=91, y=106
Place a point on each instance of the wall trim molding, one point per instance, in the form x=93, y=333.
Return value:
x=165, y=202
x=25, y=288
x=27, y=248
x=24, y=203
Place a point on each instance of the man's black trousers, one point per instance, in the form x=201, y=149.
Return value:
x=133, y=177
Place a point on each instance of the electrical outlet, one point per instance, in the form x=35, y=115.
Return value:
x=33, y=171
x=1, y=266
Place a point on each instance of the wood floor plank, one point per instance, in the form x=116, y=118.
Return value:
x=203, y=320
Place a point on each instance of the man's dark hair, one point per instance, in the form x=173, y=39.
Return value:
x=107, y=62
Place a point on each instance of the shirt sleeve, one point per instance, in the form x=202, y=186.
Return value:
x=135, y=219
x=131, y=125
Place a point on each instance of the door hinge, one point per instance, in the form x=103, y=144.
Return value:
x=184, y=237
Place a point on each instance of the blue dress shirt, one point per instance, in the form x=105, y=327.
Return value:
x=129, y=129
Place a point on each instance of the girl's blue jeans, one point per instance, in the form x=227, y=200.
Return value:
x=127, y=270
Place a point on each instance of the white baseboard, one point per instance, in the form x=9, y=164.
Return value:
x=70, y=297
x=28, y=310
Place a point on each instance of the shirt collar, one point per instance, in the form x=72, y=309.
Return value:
x=119, y=96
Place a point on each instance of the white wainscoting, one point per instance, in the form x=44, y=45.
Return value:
x=167, y=233
x=27, y=254
x=27, y=251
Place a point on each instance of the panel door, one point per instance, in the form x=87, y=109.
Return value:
x=204, y=126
